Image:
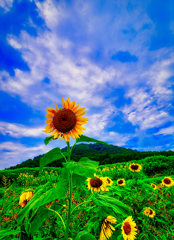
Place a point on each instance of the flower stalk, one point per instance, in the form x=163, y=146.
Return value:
x=70, y=193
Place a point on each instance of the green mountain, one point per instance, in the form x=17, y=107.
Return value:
x=104, y=154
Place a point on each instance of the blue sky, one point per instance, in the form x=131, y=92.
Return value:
x=113, y=57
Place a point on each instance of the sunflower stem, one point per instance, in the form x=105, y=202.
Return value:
x=70, y=194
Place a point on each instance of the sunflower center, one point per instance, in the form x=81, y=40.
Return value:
x=150, y=212
x=134, y=167
x=167, y=181
x=95, y=182
x=120, y=181
x=108, y=180
x=127, y=228
x=64, y=120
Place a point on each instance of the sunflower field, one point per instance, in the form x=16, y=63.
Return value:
x=82, y=200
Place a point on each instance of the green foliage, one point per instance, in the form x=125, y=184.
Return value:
x=54, y=154
x=7, y=233
x=85, y=167
x=85, y=235
x=48, y=139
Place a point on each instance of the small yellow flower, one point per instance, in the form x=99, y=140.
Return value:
x=121, y=182
x=97, y=184
x=135, y=167
x=109, y=181
x=25, y=198
x=168, y=182
x=149, y=212
x=128, y=229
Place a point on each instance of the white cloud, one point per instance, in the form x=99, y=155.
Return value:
x=6, y=4
x=19, y=130
x=166, y=131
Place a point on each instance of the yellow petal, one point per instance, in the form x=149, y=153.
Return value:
x=48, y=116
x=56, y=135
x=68, y=136
x=69, y=102
x=81, y=114
x=66, y=104
x=63, y=102
x=81, y=123
x=75, y=133
x=74, y=108
x=56, y=106
x=72, y=135
x=80, y=127
x=73, y=104
x=65, y=137
x=83, y=119
x=54, y=132
x=79, y=110
x=51, y=111
x=49, y=121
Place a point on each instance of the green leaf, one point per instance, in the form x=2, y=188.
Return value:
x=85, y=167
x=84, y=138
x=84, y=235
x=41, y=215
x=7, y=232
x=45, y=195
x=51, y=156
x=48, y=139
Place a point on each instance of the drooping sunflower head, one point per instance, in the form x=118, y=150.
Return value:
x=121, y=182
x=135, y=167
x=97, y=184
x=25, y=198
x=129, y=229
x=65, y=122
x=108, y=181
x=106, y=228
x=168, y=182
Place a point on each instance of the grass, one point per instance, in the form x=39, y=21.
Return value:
x=137, y=193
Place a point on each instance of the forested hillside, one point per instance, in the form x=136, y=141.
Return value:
x=104, y=154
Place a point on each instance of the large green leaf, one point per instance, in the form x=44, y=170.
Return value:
x=7, y=232
x=45, y=195
x=41, y=215
x=48, y=139
x=84, y=167
x=115, y=204
x=84, y=138
x=51, y=156
x=85, y=235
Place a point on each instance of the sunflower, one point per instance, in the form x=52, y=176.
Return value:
x=135, y=167
x=146, y=211
x=121, y=182
x=168, y=182
x=65, y=122
x=153, y=185
x=97, y=184
x=25, y=198
x=128, y=229
x=149, y=212
x=109, y=181
x=106, y=228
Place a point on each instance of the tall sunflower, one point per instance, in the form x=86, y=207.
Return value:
x=65, y=122
x=97, y=184
x=128, y=229
x=25, y=198
x=135, y=167
x=168, y=182
x=106, y=228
